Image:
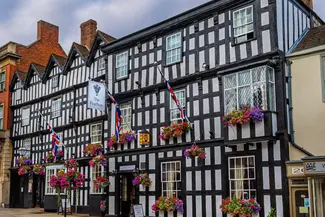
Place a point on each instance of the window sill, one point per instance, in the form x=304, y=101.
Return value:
x=170, y=64
x=233, y=43
x=122, y=78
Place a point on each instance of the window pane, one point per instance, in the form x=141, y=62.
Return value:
x=244, y=96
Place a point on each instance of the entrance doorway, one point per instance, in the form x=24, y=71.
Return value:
x=127, y=194
x=300, y=199
x=38, y=191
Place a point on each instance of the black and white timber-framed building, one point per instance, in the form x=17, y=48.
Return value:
x=240, y=43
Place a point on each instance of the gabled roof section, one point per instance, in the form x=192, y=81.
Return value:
x=18, y=75
x=314, y=38
x=33, y=68
x=100, y=37
x=75, y=49
x=54, y=60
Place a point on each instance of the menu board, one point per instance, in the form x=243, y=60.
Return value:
x=138, y=210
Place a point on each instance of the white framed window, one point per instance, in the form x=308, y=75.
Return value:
x=1, y=116
x=55, y=81
x=27, y=145
x=56, y=107
x=96, y=133
x=95, y=172
x=174, y=112
x=51, y=171
x=25, y=116
x=243, y=24
x=2, y=80
x=173, y=48
x=126, y=110
x=242, y=177
x=171, y=178
x=252, y=87
x=122, y=65
x=101, y=63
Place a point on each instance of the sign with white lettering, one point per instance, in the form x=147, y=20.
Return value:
x=314, y=167
x=138, y=210
x=96, y=95
x=127, y=168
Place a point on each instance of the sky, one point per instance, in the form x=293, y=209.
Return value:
x=18, y=18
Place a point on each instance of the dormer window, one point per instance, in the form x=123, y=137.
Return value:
x=55, y=81
x=101, y=63
x=243, y=24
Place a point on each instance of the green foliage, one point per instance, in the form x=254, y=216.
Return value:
x=272, y=213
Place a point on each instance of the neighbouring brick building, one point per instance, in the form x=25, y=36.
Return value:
x=15, y=60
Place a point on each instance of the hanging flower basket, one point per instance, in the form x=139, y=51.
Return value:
x=23, y=160
x=240, y=207
x=38, y=169
x=168, y=204
x=243, y=116
x=71, y=164
x=174, y=130
x=101, y=182
x=97, y=160
x=24, y=170
x=59, y=155
x=102, y=205
x=125, y=137
x=142, y=179
x=49, y=158
x=195, y=151
x=93, y=149
x=75, y=178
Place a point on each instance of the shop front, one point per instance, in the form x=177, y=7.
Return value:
x=307, y=187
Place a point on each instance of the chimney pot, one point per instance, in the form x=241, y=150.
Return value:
x=88, y=33
x=47, y=32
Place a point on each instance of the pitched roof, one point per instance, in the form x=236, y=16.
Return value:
x=60, y=60
x=54, y=59
x=82, y=50
x=314, y=37
x=106, y=37
x=21, y=75
x=39, y=69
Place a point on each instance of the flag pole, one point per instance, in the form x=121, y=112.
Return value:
x=165, y=80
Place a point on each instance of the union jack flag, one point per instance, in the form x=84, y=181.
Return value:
x=118, y=119
x=55, y=140
x=179, y=106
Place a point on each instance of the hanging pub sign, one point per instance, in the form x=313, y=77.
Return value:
x=144, y=137
x=96, y=95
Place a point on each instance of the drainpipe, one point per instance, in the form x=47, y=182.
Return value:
x=292, y=132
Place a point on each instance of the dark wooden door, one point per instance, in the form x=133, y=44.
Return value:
x=127, y=194
x=300, y=196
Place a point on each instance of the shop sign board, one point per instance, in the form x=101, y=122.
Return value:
x=314, y=167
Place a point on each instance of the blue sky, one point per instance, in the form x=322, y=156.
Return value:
x=115, y=17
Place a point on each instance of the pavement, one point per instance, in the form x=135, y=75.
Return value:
x=32, y=212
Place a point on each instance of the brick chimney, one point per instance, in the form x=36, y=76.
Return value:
x=88, y=32
x=47, y=32
x=309, y=3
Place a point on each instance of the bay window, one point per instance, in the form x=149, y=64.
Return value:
x=242, y=177
x=171, y=178
x=252, y=87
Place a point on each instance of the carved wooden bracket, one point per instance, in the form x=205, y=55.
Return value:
x=196, y=26
x=154, y=40
x=216, y=18
x=157, y=95
x=139, y=45
x=199, y=81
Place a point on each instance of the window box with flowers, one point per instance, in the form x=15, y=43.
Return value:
x=126, y=137
x=97, y=160
x=240, y=207
x=168, y=204
x=93, y=150
x=174, y=130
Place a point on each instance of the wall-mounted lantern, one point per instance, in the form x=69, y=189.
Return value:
x=144, y=138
